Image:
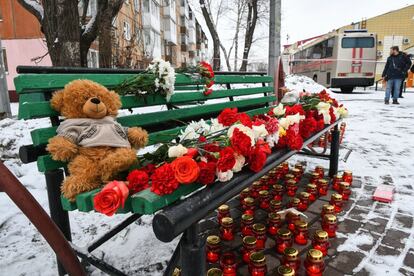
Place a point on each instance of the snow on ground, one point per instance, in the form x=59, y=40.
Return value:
x=379, y=137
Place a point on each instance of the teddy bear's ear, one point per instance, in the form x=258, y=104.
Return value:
x=57, y=100
x=114, y=103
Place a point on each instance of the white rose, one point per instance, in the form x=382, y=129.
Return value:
x=260, y=131
x=279, y=110
x=177, y=151
x=240, y=161
x=224, y=176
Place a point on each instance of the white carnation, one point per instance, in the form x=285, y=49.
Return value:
x=240, y=161
x=224, y=176
x=260, y=131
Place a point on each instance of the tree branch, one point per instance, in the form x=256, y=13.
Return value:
x=34, y=7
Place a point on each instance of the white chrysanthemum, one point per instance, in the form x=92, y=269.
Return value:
x=188, y=134
x=279, y=110
x=240, y=161
x=260, y=131
x=177, y=151
x=215, y=126
x=246, y=130
x=200, y=126
x=224, y=176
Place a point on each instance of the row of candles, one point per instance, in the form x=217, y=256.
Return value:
x=322, y=141
x=254, y=234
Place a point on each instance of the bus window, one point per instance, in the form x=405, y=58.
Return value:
x=357, y=42
x=329, y=47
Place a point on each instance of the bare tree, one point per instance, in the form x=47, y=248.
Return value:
x=250, y=28
x=67, y=43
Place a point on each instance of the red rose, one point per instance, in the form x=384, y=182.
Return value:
x=207, y=172
x=240, y=142
x=163, y=180
x=137, y=181
x=293, y=139
x=227, y=160
x=245, y=119
x=257, y=159
x=307, y=127
x=111, y=197
x=228, y=116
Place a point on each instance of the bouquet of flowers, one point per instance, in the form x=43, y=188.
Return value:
x=203, y=72
x=157, y=79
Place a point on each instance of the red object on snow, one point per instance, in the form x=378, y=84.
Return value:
x=383, y=193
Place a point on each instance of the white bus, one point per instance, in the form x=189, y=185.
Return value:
x=344, y=60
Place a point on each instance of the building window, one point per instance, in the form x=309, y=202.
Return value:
x=93, y=58
x=127, y=31
x=4, y=55
x=146, y=5
x=136, y=5
x=1, y=15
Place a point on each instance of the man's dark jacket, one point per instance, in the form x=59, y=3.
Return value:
x=396, y=67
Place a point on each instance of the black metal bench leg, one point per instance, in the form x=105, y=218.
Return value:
x=334, y=156
x=59, y=216
x=192, y=252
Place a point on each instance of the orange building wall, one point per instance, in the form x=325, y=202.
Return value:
x=17, y=22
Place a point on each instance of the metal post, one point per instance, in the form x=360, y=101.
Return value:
x=5, y=110
x=59, y=216
x=274, y=36
x=192, y=252
x=334, y=159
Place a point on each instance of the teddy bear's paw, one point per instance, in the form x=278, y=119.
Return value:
x=75, y=185
x=61, y=148
x=119, y=160
x=138, y=137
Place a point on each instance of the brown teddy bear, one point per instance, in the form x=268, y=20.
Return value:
x=95, y=145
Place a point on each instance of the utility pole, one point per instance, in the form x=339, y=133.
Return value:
x=5, y=110
x=274, y=36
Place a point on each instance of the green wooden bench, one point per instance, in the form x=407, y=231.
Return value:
x=253, y=94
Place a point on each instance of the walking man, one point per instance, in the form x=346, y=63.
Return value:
x=394, y=73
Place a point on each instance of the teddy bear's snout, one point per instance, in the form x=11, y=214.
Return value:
x=95, y=101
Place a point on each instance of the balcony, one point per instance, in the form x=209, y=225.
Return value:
x=151, y=21
x=184, y=47
x=170, y=30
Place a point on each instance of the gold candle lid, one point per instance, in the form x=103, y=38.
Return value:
x=291, y=252
x=213, y=240
x=223, y=208
x=294, y=200
x=289, y=176
x=319, y=167
x=328, y=208
x=298, y=166
x=304, y=195
x=336, y=197
x=258, y=258
x=315, y=174
x=263, y=193
x=176, y=272
x=284, y=270
x=344, y=185
x=245, y=191
x=259, y=227
x=227, y=221
x=247, y=217
x=315, y=255
x=338, y=176
x=275, y=202
x=249, y=240
x=311, y=186
x=302, y=225
x=291, y=182
x=256, y=183
x=321, y=235
x=277, y=187
x=214, y=272
x=283, y=232
x=248, y=200
x=295, y=170
x=348, y=173
x=330, y=218
x=285, y=164
x=323, y=181
x=274, y=216
x=266, y=176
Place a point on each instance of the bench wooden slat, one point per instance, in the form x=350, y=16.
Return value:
x=41, y=109
x=25, y=100
x=27, y=83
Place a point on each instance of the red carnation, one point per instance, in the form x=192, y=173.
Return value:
x=307, y=127
x=207, y=67
x=227, y=160
x=320, y=125
x=137, y=181
x=207, y=172
x=163, y=180
x=257, y=159
x=210, y=83
x=245, y=119
x=292, y=110
x=149, y=169
x=272, y=125
x=240, y=142
x=202, y=139
x=228, y=116
x=212, y=147
x=207, y=91
x=294, y=140
x=333, y=117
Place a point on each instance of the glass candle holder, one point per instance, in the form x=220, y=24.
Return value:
x=330, y=225
x=304, y=201
x=245, y=193
x=291, y=187
x=213, y=248
x=347, y=177
x=299, y=166
x=320, y=170
x=246, y=225
x=314, y=178
x=297, y=173
x=314, y=264
x=226, y=229
x=283, y=270
x=264, y=199
x=223, y=211
x=313, y=191
x=283, y=240
x=249, y=246
x=327, y=209
x=264, y=181
x=344, y=190
x=293, y=202
x=322, y=187
x=337, y=202
x=273, y=223
x=275, y=206
x=248, y=206
x=285, y=167
x=301, y=232
x=228, y=264
x=291, y=219
x=277, y=192
x=257, y=265
x=335, y=182
x=321, y=241
x=291, y=258
x=322, y=142
x=288, y=177
x=255, y=189
x=259, y=232
x=214, y=272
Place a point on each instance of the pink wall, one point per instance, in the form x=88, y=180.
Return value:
x=20, y=52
